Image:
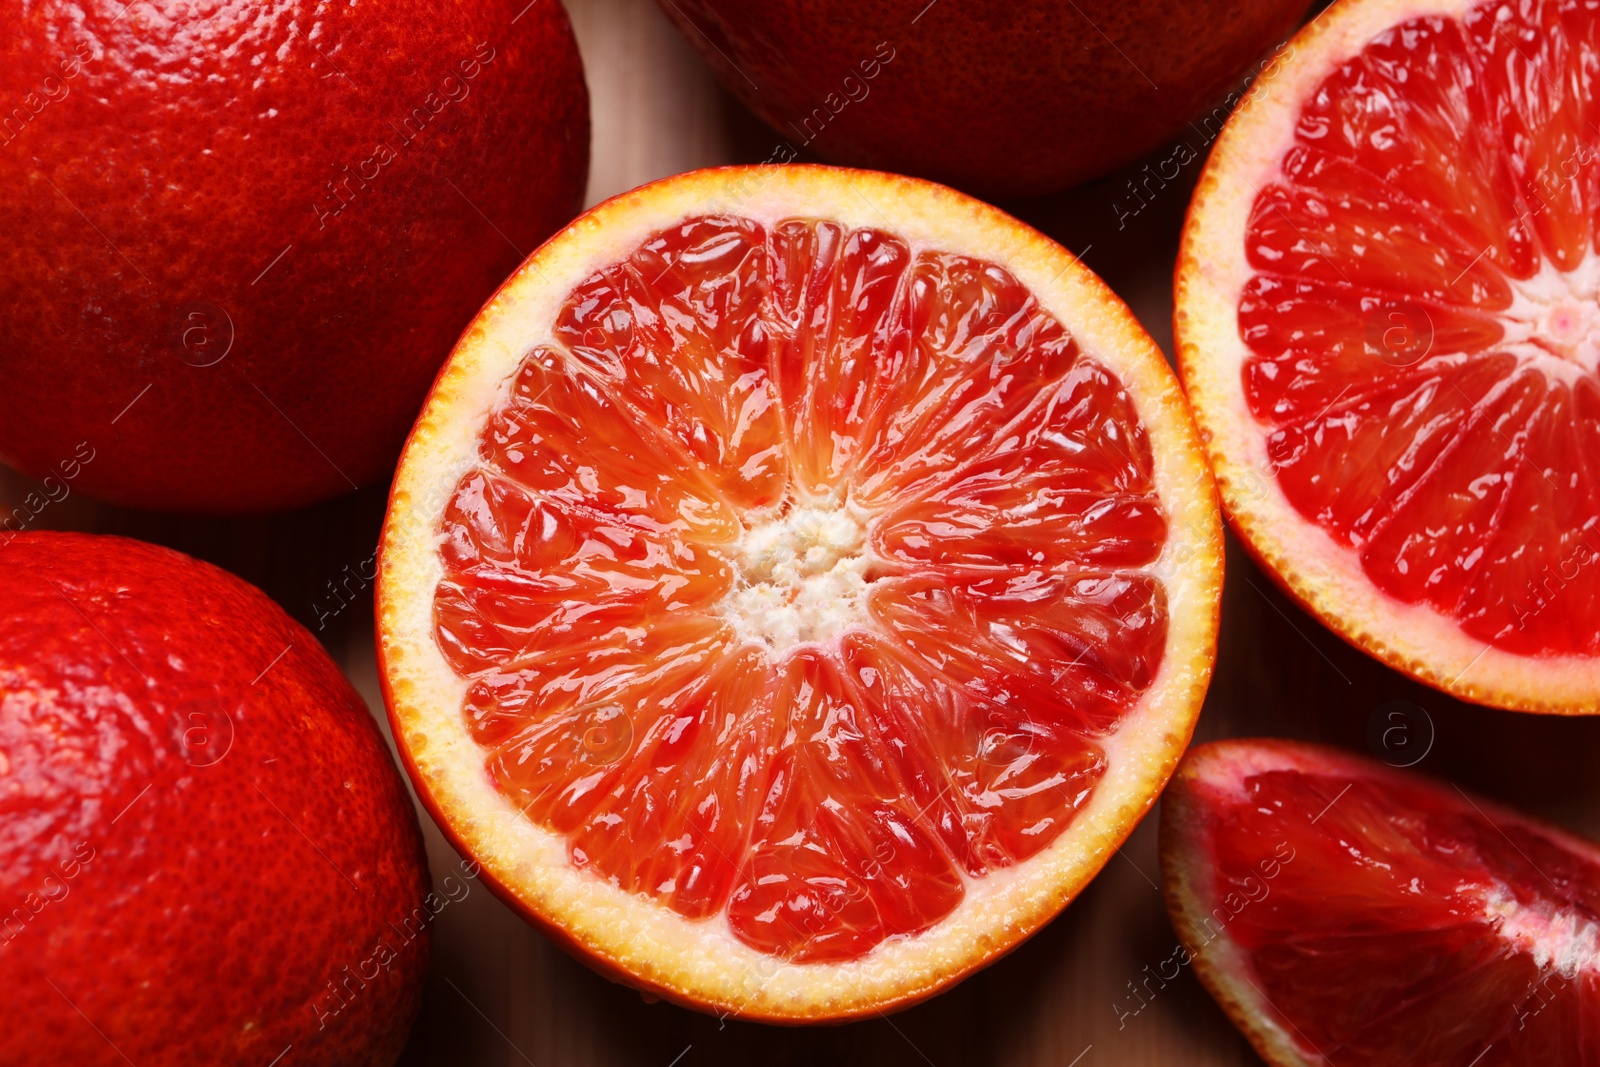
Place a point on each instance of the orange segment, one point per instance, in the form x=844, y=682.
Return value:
x=1389, y=302
x=675, y=333
x=761, y=586
x=838, y=313
x=980, y=352
x=565, y=437
x=1069, y=484
x=842, y=857
x=1071, y=649
x=674, y=825
x=1343, y=912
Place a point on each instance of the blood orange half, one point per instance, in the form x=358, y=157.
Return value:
x=1389, y=325
x=798, y=583
x=1343, y=912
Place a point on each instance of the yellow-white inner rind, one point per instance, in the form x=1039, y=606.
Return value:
x=1212, y=272
x=702, y=962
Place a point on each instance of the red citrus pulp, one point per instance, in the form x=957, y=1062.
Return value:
x=797, y=583
x=1342, y=911
x=1389, y=324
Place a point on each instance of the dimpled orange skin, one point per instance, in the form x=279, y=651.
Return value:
x=999, y=98
x=158, y=158
x=202, y=836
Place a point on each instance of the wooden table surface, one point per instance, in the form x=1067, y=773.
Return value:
x=500, y=994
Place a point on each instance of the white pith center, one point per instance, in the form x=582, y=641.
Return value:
x=1553, y=322
x=802, y=575
x=1559, y=941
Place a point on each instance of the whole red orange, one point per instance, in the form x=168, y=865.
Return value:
x=240, y=237
x=1000, y=97
x=206, y=854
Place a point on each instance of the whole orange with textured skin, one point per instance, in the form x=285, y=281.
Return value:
x=206, y=855
x=1002, y=99
x=240, y=237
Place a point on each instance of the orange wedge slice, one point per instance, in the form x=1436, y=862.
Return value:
x=1344, y=912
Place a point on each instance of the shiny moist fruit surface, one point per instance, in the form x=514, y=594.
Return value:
x=206, y=853
x=242, y=236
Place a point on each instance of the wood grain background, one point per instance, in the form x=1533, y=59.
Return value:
x=500, y=994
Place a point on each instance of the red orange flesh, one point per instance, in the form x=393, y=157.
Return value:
x=801, y=576
x=1389, y=323
x=1345, y=912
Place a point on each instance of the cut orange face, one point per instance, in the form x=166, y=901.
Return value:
x=797, y=585
x=1343, y=912
x=1389, y=324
